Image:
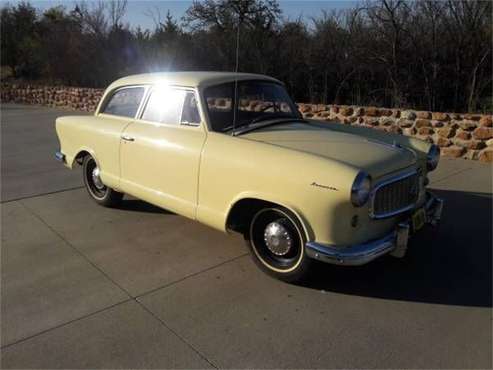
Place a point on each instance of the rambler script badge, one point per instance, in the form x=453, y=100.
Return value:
x=324, y=186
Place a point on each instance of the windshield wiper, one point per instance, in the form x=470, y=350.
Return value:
x=269, y=116
x=255, y=120
x=280, y=120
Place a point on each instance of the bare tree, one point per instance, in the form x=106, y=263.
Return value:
x=426, y=54
x=116, y=9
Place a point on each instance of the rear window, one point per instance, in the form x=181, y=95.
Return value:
x=124, y=102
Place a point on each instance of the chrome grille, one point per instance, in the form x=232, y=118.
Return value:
x=395, y=196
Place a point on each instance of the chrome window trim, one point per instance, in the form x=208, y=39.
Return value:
x=145, y=101
x=147, y=90
x=113, y=92
x=387, y=182
x=185, y=123
x=203, y=101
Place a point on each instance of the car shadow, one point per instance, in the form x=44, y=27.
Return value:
x=137, y=205
x=450, y=265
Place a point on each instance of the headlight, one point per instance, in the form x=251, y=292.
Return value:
x=432, y=157
x=360, y=191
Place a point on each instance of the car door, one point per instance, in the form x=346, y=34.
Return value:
x=117, y=111
x=160, y=151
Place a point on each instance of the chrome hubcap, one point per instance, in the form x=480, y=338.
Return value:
x=277, y=238
x=96, y=179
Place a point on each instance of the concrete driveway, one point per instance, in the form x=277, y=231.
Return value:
x=138, y=287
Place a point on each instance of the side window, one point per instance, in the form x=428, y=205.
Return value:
x=124, y=102
x=164, y=106
x=190, y=114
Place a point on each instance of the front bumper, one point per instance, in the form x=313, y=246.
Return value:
x=394, y=243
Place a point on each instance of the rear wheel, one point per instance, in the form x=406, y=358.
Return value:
x=277, y=242
x=98, y=191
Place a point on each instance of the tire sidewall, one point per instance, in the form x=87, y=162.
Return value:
x=110, y=198
x=300, y=269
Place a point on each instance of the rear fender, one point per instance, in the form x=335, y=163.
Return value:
x=73, y=161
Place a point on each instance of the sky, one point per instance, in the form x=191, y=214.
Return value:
x=138, y=10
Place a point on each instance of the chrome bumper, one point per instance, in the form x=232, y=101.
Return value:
x=394, y=243
x=59, y=156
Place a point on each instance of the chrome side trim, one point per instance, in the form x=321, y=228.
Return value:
x=387, y=182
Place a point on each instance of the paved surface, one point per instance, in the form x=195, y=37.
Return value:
x=137, y=287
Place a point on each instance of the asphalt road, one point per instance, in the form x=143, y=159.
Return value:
x=138, y=287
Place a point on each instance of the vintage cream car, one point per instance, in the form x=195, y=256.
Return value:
x=233, y=152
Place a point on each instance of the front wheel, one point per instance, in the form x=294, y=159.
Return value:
x=98, y=191
x=277, y=242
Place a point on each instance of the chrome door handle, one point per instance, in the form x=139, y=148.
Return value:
x=127, y=138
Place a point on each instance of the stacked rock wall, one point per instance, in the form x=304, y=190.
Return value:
x=467, y=136
x=77, y=98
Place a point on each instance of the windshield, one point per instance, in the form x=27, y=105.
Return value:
x=258, y=101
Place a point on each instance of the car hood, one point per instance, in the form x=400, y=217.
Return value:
x=374, y=156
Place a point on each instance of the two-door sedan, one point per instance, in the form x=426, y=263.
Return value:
x=232, y=151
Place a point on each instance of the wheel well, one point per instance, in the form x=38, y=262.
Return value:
x=243, y=211
x=79, y=158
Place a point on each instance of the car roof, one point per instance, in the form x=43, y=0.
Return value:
x=188, y=79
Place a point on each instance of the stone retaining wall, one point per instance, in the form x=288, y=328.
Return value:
x=77, y=98
x=467, y=136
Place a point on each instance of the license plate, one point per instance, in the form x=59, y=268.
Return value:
x=418, y=219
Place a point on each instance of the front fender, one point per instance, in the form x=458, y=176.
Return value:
x=272, y=198
x=314, y=188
